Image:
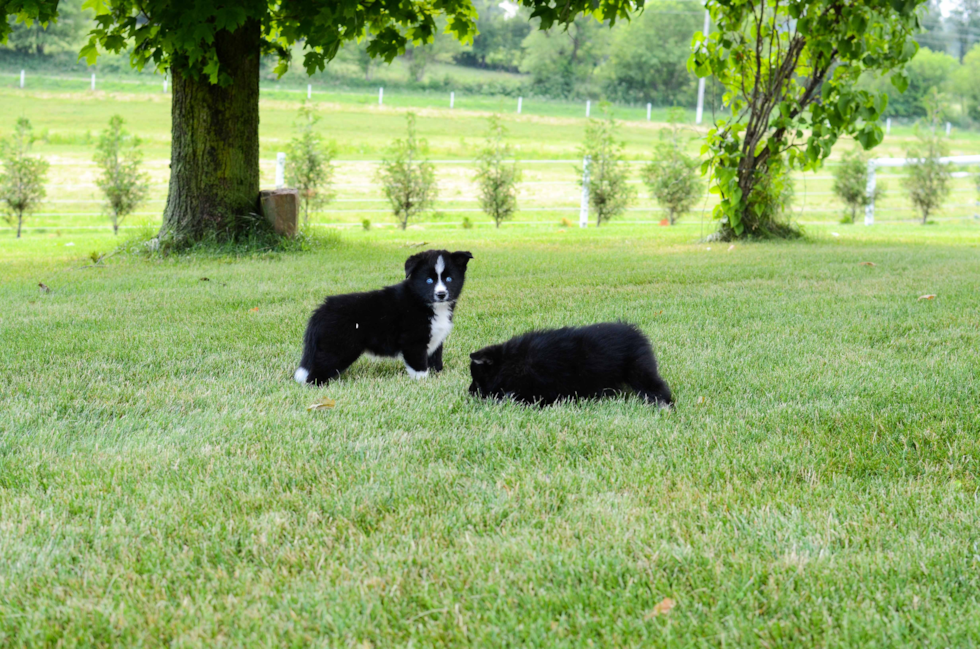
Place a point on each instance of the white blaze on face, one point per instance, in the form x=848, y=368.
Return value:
x=440, y=267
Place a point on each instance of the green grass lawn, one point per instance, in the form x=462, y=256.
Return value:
x=162, y=483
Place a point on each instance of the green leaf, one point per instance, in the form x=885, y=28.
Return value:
x=900, y=80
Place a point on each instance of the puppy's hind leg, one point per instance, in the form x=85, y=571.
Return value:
x=646, y=382
x=327, y=366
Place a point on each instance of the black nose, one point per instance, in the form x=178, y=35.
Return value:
x=441, y=295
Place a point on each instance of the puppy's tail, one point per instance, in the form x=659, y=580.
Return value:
x=302, y=374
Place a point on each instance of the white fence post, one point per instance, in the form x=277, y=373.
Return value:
x=949, y=127
x=700, y=111
x=309, y=91
x=888, y=126
x=21, y=78
x=869, y=210
x=381, y=96
x=588, y=107
x=93, y=82
x=649, y=108
x=520, y=100
x=583, y=214
x=452, y=99
x=280, y=170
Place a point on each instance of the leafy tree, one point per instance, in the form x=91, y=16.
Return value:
x=122, y=182
x=562, y=62
x=929, y=179
x=926, y=71
x=420, y=56
x=407, y=178
x=851, y=183
x=357, y=54
x=790, y=70
x=23, y=177
x=609, y=192
x=309, y=163
x=965, y=19
x=496, y=178
x=672, y=177
x=933, y=32
x=212, y=50
x=65, y=35
x=497, y=44
x=966, y=82
x=648, y=57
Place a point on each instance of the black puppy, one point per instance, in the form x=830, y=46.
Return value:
x=409, y=321
x=546, y=366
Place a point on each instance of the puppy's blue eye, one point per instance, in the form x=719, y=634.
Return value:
x=449, y=279
x=428, y=281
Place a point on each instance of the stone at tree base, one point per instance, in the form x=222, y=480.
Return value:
x=281, y=207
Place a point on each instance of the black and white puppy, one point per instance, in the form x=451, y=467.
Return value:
x=541, y=367
x=408, y=321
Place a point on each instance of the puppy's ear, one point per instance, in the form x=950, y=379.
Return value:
x=461, y=258
x=412, y=263
x=482, y=357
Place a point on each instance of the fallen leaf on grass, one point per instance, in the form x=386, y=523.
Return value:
x=323, y=404
x=701, y=401
x=665, y=222
x=205, y=279
x=868, y=263
x=417, y=244
x=731, y=247
x=561, y=231
x=254, y=309
x=835, y=234
x=662, y=608
x=44, y=287
x=927, y=297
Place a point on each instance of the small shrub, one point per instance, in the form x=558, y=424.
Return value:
x=851, y=184
x=672, y=177
x=23, y=177
x=122, y=182
x=609, y=193
x=928, y=179
x=407, y=178
x=366, y=224
x=309, y=163
x=496, y=179
x=467, y=224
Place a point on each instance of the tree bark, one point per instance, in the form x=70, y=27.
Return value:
x=214, y=151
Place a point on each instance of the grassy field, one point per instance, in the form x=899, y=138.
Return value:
x=70, y=117
x=162, y=483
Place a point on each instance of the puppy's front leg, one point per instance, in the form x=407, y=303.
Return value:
x=435, y=360
x=416, y=362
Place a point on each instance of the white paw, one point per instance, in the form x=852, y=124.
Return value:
x=301, y=375
x=417, y=375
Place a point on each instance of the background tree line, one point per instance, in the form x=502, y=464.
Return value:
x=644, y=60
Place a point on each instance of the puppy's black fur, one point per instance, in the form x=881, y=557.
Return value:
x=410, y=320
x=575, y=362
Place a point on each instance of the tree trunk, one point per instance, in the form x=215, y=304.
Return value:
x=214, y=152
x=20, y=222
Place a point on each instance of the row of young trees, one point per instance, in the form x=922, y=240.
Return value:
x=928, y=180
x=408, y=179
x=118, y=155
